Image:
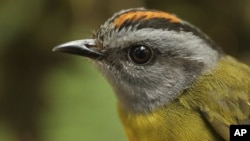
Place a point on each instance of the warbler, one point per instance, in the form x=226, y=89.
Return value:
x=171, y=80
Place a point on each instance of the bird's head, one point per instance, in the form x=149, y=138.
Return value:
x=148, y=56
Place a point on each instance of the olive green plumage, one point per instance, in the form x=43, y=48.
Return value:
x=172, y=82
x=203, y=111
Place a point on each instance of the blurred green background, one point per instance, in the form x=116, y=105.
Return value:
x=47, y=96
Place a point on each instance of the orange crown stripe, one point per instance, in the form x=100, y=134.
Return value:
x=145, y=15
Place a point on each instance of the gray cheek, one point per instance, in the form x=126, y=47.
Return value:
x=142, y=88
x=152, y=86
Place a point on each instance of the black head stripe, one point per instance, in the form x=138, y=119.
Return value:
x=165, y=24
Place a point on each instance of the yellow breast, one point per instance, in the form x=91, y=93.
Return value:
x=173, y=123
x=221, y=91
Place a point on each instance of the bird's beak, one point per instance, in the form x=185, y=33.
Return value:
x=86, y=48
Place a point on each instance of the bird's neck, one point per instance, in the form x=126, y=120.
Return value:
x=173, y=122
x=177, y=117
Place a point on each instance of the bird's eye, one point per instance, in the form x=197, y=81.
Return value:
x=140, y=54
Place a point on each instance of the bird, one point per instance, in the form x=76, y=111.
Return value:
x=172, y=82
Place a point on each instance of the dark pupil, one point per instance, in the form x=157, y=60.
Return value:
x=140, y=54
